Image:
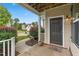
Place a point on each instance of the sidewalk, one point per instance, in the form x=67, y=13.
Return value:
x=21, y=46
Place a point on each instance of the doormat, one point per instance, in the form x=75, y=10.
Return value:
x=31, y=42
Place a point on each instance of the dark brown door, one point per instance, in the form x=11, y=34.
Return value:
x=56, y=30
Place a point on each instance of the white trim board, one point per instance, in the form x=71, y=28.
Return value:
x=62, y=28
x=30, y=8
x=75, y=20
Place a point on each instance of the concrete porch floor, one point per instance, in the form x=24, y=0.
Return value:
x=46, y=50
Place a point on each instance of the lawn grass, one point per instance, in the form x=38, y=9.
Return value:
x=21, y=30
x=19, y=38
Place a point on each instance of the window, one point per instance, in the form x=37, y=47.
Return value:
x=76, y=32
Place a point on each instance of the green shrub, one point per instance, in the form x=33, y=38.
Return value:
x=7, y=32
x=34, y=32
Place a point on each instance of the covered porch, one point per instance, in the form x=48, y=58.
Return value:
x=45, y=11
x=42, y=11
x=46, y=50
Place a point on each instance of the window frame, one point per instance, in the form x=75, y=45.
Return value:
x=73, y=40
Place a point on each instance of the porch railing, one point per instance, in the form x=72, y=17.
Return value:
x=42, y=37
x=7, y=47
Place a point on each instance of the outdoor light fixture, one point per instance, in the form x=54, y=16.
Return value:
x=69, y=18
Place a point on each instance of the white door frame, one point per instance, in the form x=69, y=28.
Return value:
x=62, y=28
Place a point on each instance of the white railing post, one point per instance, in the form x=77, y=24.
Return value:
x=4, y=48
x=8, y=48
x=13, y=46
x=39, y=28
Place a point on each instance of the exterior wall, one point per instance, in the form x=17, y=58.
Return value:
x=58, y=11
x=74, y=48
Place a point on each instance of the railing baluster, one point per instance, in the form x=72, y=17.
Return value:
x=13, y=47
x=4, y=48
x=12, y=44
x=8, y=48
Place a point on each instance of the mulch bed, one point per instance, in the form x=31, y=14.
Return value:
x=31, y=42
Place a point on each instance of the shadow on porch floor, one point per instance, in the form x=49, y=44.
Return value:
x=46, y=50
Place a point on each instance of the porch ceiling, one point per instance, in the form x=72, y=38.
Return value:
x=40, y=7
x=44, y=6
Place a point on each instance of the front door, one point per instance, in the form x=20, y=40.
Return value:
x=56, y=30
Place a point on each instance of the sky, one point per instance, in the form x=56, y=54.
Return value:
x=18, y=11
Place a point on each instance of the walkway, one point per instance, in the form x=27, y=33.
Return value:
x=21, y=33
x=21, y=46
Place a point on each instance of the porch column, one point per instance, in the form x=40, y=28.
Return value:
x=39, y=29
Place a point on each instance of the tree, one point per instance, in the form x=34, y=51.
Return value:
x=16, y=20
x=20, y=26
x=35, y=24
x=5, y=16
x=16, y=23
